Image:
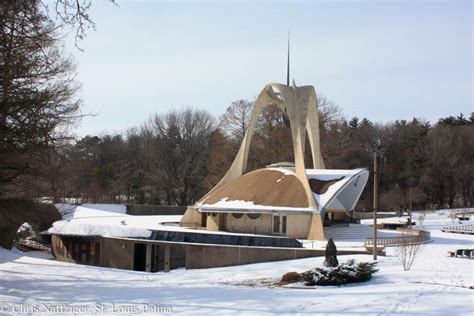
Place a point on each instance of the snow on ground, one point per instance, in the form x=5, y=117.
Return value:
x=432, y=219
x=436, y=284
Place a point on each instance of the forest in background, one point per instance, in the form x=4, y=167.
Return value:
x=175, y=158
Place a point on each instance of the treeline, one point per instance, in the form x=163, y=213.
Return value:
x=175, y=158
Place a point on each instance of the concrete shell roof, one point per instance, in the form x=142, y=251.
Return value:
x=278, y=189
x=272, y=187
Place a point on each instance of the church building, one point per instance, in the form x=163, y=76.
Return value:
x=284, y=199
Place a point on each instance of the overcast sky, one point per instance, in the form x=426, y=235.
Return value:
x=384, y=60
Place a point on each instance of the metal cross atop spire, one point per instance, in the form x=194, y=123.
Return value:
x=288, y=62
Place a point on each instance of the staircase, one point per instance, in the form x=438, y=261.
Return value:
x=30, y=245
x=353, y=232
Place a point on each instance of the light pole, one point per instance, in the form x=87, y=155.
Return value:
x=374, y=249
x=410, y=211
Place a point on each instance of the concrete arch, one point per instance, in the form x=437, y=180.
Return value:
x=301, y=106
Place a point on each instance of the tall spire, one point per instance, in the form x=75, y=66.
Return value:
x=288, y=62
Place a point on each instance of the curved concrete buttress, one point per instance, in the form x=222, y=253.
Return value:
x=312, y=128
x=300, y=104
x=239, y=165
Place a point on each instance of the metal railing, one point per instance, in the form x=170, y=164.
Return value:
x=307, y=242
x=461, y=229
x=410, y=236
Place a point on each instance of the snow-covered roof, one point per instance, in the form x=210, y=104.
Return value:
x=341, y=189
x=69, y=211
x=107, y=220
x=100, y=220
x=328, y=174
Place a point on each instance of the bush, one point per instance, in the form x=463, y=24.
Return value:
x=24, y=232
x=348, y=272
x=291, y=277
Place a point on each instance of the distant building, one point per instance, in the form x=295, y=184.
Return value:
x=286, y=198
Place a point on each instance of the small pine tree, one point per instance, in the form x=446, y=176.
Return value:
x=331, y=254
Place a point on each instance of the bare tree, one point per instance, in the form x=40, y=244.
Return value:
x=272, y=138
x=329, y=112
x=407, y=251
x=73, y=14
x=234, y=122
x=421, y=219
x=453, y=215
x=183, y=144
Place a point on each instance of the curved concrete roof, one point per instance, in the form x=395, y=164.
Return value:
x=279, y=189
x=275, y=187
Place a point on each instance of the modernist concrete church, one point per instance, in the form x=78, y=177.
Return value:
x=283, y=199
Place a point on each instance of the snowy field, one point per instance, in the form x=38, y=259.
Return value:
x=436, y=284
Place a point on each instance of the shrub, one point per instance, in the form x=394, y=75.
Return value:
x=348, y=272
x=291, y=277
x=24, y=232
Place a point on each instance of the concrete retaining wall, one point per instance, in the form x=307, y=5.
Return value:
x=119, y=253
x=211, y=256
x=201, y=256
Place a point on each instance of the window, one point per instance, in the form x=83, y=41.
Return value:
x=81, y=250
x=279, y=224
x=253, y=215
x=237, y=215
x=276, y=223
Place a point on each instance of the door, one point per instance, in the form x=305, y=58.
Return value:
x=203, y=219
x=155, y=254
x=139, y=257
x=279, y=224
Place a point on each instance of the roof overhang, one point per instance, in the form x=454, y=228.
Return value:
x=347, y=194
x=258, y=209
